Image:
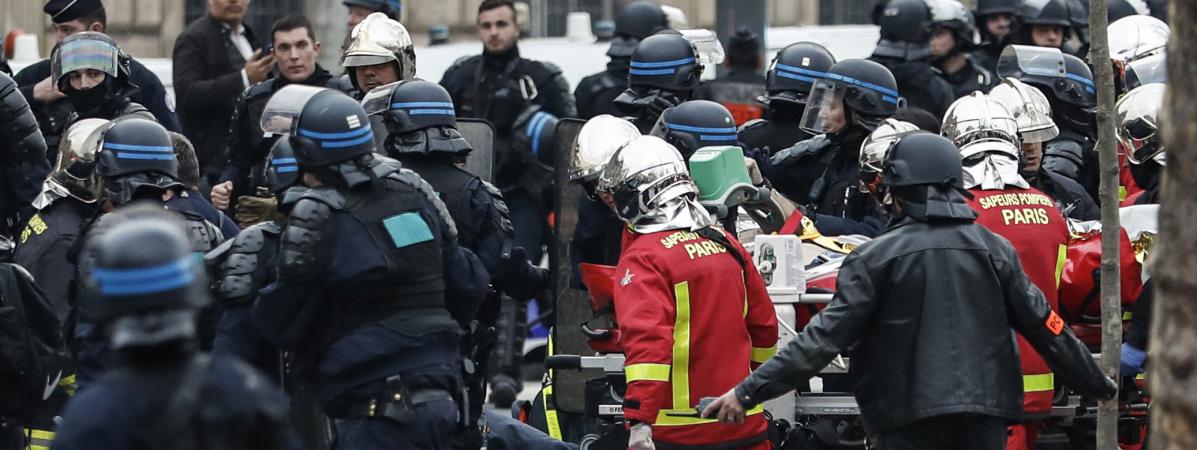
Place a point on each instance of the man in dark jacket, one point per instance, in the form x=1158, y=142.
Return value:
x=936, y=368
x=40, y=89
x=904, y=49
x=952, y=35
x=295, y=51
x=214, y=60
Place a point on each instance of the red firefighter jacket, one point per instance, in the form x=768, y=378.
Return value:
x=694, y=324
x=1030, y=220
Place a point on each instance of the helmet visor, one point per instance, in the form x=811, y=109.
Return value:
x=825, y=112
x=378, y=100
x=1149, y=70
x=83, y=54
x=282, y=111
x=1019, y=60
x=706, y=46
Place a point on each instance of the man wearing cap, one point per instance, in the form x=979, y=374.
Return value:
x=739, y=87
x=215, y=59
x=47, y=102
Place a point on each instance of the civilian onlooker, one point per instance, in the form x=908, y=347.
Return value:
x=215, y=59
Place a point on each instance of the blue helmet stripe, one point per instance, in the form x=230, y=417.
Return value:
x=799, y=70
x=148, y=280
x=350, y=143
x=139, y=148
x=284, y=161
x=421, y=105
x=345, y=135
x=651, y=72
x=657, y=64
x=431, y=112
x=678, y=127
x=719, y=137
x=286, y=169
x=143, y=156
x=864, y=84
x=795, y=77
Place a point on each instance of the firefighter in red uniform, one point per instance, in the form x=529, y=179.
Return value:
x=987, y=135
x=692, y=307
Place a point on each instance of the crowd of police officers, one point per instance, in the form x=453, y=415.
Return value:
x=354, y=270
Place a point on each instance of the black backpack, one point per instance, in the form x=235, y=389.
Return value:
x=33, y=353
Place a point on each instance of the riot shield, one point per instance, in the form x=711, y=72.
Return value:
x=481, y=136
x=572, y=305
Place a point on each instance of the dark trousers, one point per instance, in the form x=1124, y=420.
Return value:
x=431, y=427
x=952, y=432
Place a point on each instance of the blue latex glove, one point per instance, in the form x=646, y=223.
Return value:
x=1132, y=360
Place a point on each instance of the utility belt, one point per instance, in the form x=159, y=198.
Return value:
x=397, y=402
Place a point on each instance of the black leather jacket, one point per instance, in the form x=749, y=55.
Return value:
x=23, y=164
x=927, y=341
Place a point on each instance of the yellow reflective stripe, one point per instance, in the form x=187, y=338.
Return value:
x=1127, y=315
x=1121, y=193
x=1141, y=376
x=666, y=420
x=1039, y=383
x=68, y=384
x=647, y=372
x=1061, y=260
x=550, y=409
x=762, y=354
x=681, y=347
x=40, y=439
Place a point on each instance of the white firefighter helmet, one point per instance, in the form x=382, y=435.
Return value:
x=379, y=39
x=987, y=135
x=872, y=150
x=1137, y=114
x=652, y=188
x=74, y=173
x=599, y=138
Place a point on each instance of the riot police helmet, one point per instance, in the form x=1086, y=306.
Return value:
x=984, y=8
x=91, y=50
x=1065, y=79
x=635, y=22
x=1119, y=9
x=696, y=124
x=866, y=89
x=282, y=171
x=922, y=158
x=954, y=16
x=147, y=284
x=665, y=61
x=134, y=156
x=329, y=132
x=904, y=20
x=794, y=70
x=1044, y=12
x=419, y=117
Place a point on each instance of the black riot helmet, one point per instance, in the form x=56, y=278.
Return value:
x=984, y=8
x=134, y=154
x=1065, y=79
x=1118, y=9
x=419, y=117
x=1044, y=12
x=922, y=158
x=665, y=61
x=535, y=132
x=147, y=283
x=329, y=131
x=867, y=89
x=696, y=124
x=392, y=8
x=922, y=173
x=91, y=50
x=635, y=22
x=904, y=21
x=795, y=69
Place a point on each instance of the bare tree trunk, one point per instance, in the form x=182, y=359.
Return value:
x=1111, y=305
x=1173, y=352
